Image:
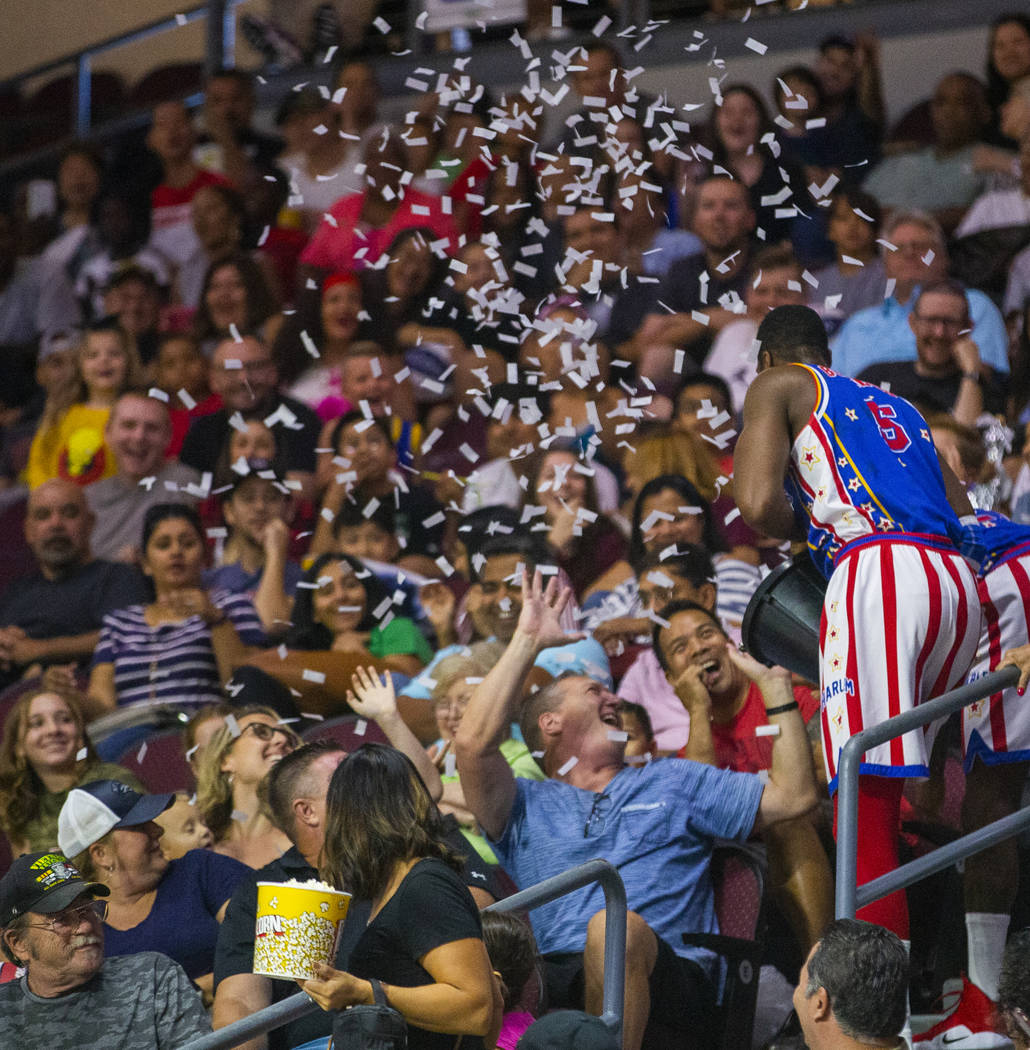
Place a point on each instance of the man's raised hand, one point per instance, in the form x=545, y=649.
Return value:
x=541, y=612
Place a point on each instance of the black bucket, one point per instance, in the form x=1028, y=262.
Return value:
x=781, y=622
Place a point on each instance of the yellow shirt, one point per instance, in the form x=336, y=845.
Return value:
x=73, y=448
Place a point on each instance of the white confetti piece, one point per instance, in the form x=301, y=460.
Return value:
x=142, y=753
x=84, y=753
x=568, y=766
x=756, y=45
x=618, y=734
x=318, y=677
x=187, y=401
x=232, y=725
x=309, y=345
x=382, y=25
x=767, y=730
x=360, y=727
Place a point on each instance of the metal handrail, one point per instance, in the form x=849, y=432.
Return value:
x=220, y=45
x=599, y=871
x=849, y=895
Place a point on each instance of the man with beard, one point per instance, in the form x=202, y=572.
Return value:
x=51, y=923
x=53, y=616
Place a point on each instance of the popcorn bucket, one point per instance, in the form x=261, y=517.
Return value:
x=297, y=926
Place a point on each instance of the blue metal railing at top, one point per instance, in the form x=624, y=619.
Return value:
x=851, y=896
x=220, y=50
x=599, y=871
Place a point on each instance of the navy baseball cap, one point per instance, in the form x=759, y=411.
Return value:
x=44, y=882
x=91, y=811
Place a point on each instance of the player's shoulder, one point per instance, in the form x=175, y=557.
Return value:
x=781, y=381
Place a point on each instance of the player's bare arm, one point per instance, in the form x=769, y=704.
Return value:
x=776, y=399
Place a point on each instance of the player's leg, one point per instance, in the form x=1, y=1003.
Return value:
x=991, y=877
x=879, y=812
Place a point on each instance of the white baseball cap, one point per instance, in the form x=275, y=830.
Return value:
x=94, y=809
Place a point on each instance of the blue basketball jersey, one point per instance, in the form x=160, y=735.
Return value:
x=863, y=466
x=1002, y=539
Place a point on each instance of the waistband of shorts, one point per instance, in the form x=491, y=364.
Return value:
x=927, y=540
x=1013, y=552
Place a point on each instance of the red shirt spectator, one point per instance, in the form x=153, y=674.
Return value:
x=736, y=745
x=343, y=242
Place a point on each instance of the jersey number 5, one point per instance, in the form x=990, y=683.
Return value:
x=892, y=432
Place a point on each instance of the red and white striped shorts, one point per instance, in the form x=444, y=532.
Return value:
x=900, y=625
x=997, y=728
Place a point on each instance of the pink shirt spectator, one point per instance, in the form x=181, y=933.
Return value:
x=342, y=242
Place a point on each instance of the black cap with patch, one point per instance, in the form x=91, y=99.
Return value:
x=45, y=883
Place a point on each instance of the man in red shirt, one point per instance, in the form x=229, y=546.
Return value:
x=172, y=138
x=722, y=688
x=359, y=227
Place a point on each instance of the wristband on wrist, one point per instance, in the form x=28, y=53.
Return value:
x=972, y=376
x=782, y=709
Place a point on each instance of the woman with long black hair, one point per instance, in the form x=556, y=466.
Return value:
x=422, y=951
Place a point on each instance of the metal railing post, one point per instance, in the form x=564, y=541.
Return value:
x=615, y=908
x=851, y=760
x=944, y=856
x=847, y=826
x=214, y=45
x=280, y=1013
x=82, y=102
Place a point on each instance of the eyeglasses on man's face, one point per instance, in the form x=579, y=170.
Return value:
x=69, y=920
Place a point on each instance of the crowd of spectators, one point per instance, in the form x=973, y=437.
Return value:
x=287, y=409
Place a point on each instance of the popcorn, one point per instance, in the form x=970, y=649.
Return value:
x=298, y=924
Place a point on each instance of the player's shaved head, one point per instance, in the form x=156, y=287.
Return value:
x=792, y=335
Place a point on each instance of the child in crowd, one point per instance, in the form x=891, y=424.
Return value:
x=70, y=441
x=180, y=370
x=636, y=723
x=183, y=827
x=513, y=955
x=257, y=510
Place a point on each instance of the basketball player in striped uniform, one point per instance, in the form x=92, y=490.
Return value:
x=854, y=471
x=996, y=748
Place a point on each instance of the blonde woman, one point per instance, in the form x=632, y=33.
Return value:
x=232, y=767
